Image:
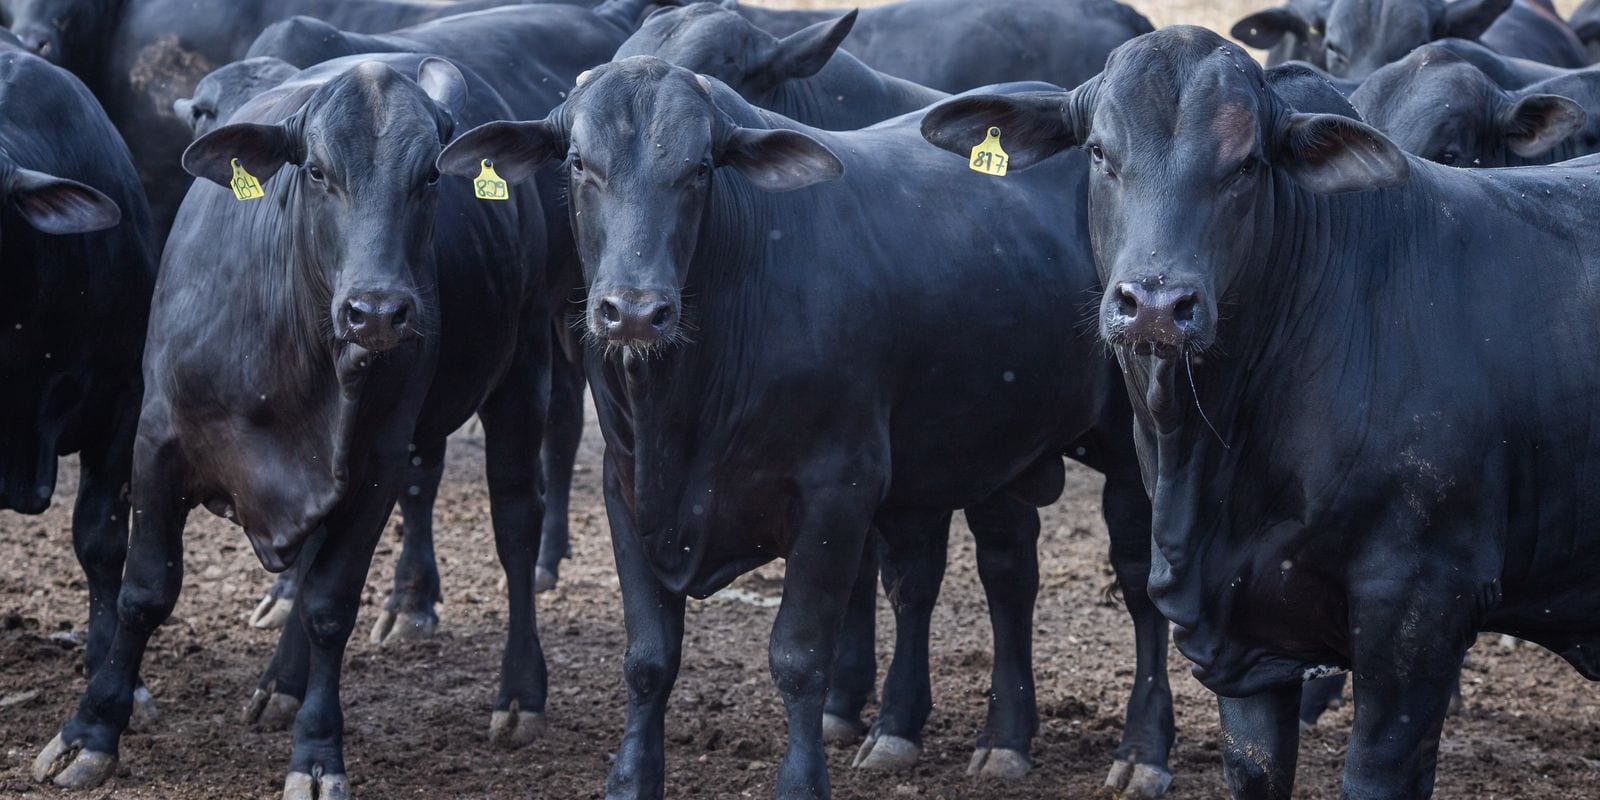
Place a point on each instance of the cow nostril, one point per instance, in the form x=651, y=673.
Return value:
x=609, y=312
x=398, y=319
x=1183, y=310
x=354, y=315
x=1127, y=302
x=662, y=316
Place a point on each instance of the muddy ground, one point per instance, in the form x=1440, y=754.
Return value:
x=418, y=712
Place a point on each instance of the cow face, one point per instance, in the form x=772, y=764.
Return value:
x=69, y=33
x=644, y=143
x=719, y=42
x=1188, y=151
x=361, y=197
x=1363, y=35
x=1290, y=32
x=226, y=88
x=1437, y=106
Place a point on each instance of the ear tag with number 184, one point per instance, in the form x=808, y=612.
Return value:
x=245, y=186
x=987, y=157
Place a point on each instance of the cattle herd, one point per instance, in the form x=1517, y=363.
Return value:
x=264, y=256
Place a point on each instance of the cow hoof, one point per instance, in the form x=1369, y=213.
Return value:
x=300, y=786
x=1455, y=706
x=1129, y=781
x=144, y=716
x=839, y=730
x=270, y=712
x=887, y=753
x=1000, y=763
x=72, y=767
x=392, y=627
x=515, y=728
x=272, y=612
x=543, y=580
x=1508, y=642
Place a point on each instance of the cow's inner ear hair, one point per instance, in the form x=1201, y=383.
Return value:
x=1329, y=154
x=260, y=149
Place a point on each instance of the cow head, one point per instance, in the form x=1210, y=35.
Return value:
x=1290, y=32
x=361, y=193
x=1363, y=35
x=70, y=33
x=719, y=42
x=1435, y=105
x=645, y=144
x=226, y=88
x=1188, y=149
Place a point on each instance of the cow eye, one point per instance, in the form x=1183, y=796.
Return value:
x=704, y=169
x=1449, y=158
x=316, y=173
x=1247, y=167
x=433, y=177
x=577, y=163
x=1096, y=153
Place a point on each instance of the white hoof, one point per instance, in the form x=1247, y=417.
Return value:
x=270, y=712
x=515, y=728
x=841, y=731
x=392, y=627
x=1129, y=781
x=887, y=753
x=144, y=715
x=300, y=786
x=72, y=767
x=999, y=763
x=543, y=580
x=272, y=612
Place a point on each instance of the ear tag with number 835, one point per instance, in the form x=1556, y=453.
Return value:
x=245, y=186
x=489, y=185
x=988, y=158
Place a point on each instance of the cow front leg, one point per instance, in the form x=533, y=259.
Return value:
x=1140, y=769
x=563, y=432
x=855, y=661
x=1260, y=743
x=84, y=754
x=409, y=612
x=817, y=583
x=1007, y=532
x=654, y=621
x=913, y=556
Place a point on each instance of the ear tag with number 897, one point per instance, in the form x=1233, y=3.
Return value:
x=489, y=185
x=988, y=158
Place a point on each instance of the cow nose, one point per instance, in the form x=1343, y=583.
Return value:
x=639, y=318
x=1158, y=318
x=37, y=42
x=377, y=321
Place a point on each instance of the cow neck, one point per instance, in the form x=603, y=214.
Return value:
x=846, y=95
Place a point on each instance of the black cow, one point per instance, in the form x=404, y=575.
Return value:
x=1506, y=71
x=1585, y=22
x=1363, y=35
x=1334, y=487
x=954, y=45
x=383, y=311
x=79, y=262
x=530, y=55
x=778, y=374
x=1290, y=32
x=138, y=56
x=1436, y=105
x=804, y=77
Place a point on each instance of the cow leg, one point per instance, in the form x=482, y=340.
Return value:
x=337, y=559
x=513, y=427
x=817, y=581
x=281, y=688
x=1317, y=696
x=409, y=612
x=1007, y=533
x=913, y=559
x=1140, y=770
x=654, y=621
x=855, y=663
x=1260, y=743
x=562, y=435
x=84, y=754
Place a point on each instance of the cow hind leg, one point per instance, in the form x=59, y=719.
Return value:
x=1140, y=769
x=855, y=662
x=84, y=753
x=513, y=427
x=277, y=605
x=1319, y=696
x=409, y=612
x=562, y=435
x=1007, y=532
x=281, y=689
x=913, y=560
x=1260, y=743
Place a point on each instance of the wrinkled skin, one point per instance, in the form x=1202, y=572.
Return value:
x=1438, y=106
x=77, y=254
x=351, y=279
x=1363, y=35
x=1392, y=504
x=677, y=193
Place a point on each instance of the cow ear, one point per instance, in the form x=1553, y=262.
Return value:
x=444, y=83
x=517, y=150
x=1468, y=19
x=780, y=160
x=805, y=52
x=1538, y=122
x=1328, y=154
x=1264, y=28
x=1033, y=125
x=261, y=149
x=57, y=205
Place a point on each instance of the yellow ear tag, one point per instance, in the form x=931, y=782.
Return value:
x=245, y=185
x=988, y=158
x=489, y=185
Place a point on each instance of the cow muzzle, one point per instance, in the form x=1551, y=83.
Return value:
x=377, y=321
x=1156, y=316
x=41, y=42
x=634, y=317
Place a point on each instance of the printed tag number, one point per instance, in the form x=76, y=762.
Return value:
x=245, y=185
x=489, y=185
x=988, y=158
